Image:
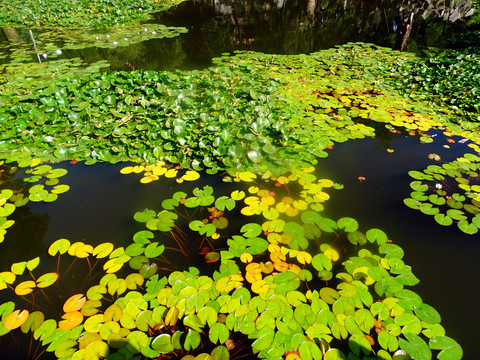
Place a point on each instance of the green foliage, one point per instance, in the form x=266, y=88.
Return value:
x=286, y=104
x=448, y=78
x=78, y=13
x=451, y=192
x=278, y=273
x=283, y=299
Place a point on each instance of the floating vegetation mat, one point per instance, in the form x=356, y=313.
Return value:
x=272, y=275
x=280, y=280
x=451, y=192
x=79, y=13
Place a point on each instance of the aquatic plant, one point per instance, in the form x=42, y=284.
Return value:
x=276, y=277
x=448, y=78
x=80, y=13
x=282, y=283
x=450, y=193
x=251, y=111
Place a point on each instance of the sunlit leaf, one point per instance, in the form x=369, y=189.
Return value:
x=60, y=246
x=16, y=319
x=25, y=287
x=415, y=346
x=47, y=279
x=102, y=250
x=74, y=303
x=35, y=319
x=450, y=350
x=70, y=320
x=6, y=278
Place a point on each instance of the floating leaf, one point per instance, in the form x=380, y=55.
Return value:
x=163, y=343
x=71, y=320
x=74, y=303
x=16, y=319
x=45, y=330
x=415, y=347
x=6, y=278
x=193, y=339
x=443, y=219
x=251, y=230
x=376, y=235
x=264, y=338
x=47, y=279
x=102, y=250
x=60, y=246
x=35, y=319
x=348, y=224
x=450, y=350
x=191, y=175
x=25, y=287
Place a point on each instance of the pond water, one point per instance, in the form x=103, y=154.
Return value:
x=100, y=204
x=280, y=27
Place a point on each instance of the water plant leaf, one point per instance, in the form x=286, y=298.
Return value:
x=102, y=250
x=388, y=341
x=60, y=246
x=348, y=224
x=467, y=227
x=415, y=346
x=47, y=279
x=65, y=349
x=35, y=319
x=6, y=278
x=251, y=230
x=154, y=250
x=93, y=323
x=97, y=349
x=16, y=319
x=376, y=235
x=428, y=314
x=193, y=339
x=309, y=350
x=91, y=307
x=32, y=264
x=25, y=287
x=163, y=343
x=45, y=330
x=264, y=338
x=359, y=344
x=334, y=354
x=70, y=320
x=74, y=303
x=450, y=350
x=443, y=219
x=220, y=353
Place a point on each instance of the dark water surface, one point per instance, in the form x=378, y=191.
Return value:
x=284, y=27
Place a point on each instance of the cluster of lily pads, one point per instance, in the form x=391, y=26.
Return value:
x=79, y=13
x=447, y=77
x=280, y=280
x=50, y=43
x=450, y=193
x=251, y=112
x=283, y=283
x=40, y=183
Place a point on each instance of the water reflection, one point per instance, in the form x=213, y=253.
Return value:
x=292, y=26
x=277, y=26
